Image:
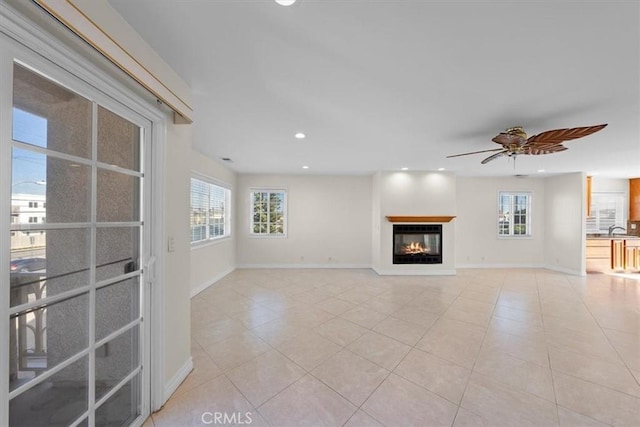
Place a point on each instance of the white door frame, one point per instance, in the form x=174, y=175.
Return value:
x=33, y=38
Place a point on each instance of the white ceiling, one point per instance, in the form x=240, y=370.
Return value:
x=380, y=85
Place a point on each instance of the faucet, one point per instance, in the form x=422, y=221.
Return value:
x=613, y=228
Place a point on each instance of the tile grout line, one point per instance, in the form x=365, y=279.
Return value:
x=601, y=328
x=553, y=381
x=464, y=392
x=411, y=347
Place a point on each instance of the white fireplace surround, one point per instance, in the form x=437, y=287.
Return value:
x=412, y=194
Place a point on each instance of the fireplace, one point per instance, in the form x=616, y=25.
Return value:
x=417, y=244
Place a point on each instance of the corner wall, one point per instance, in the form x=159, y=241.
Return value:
x=376, y=219
x=212, y=261
x=177, y=300
x=328, y=225
x=565, y=230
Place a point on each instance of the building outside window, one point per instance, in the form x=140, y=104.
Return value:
x=210, y=211
x=268, y=212
x=514, y=214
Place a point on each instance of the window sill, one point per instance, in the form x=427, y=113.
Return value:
x=267, y=236
x=212, y=242
x=529, y=237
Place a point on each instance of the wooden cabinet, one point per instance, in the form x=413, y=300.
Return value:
x=632, y=254
x=598, y=255
x=613, y=255
x=617, y=255
x=634, y=199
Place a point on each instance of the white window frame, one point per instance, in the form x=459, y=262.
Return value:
x=211, y=182
x=529, y=217
x=285, y=214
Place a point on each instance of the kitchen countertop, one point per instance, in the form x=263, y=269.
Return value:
x=613, y=237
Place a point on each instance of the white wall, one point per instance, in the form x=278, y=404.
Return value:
x=376, y=219
x=421, y=194
x=329, y=222
x=565, y=210
x=212, y=261
x=477, y=242
x=177, y=298
x=599, y=183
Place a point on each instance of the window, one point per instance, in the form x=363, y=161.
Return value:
x=607, y=210
x=33, y=219
x=209, y=211
x=268, y=212
x=514, y=214
x=33, y=204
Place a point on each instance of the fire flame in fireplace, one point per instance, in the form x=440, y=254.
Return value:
x=414, y=248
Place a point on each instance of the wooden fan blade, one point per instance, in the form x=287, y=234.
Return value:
x=474, y=152
x=558, y=136
x=536, y=150
x=495, y=156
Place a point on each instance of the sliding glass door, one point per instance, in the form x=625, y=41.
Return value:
x=75, y=291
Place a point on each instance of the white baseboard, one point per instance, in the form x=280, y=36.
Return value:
x=201, y=287
x=500, y=266
x=176, y=380
x=390, y=272
x=290, y=266
x=536, y=266
x=415, y=272
x=565, y=270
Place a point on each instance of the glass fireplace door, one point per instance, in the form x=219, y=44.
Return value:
x=417, y=244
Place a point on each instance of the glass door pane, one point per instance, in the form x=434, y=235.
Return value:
x=119, y=229
x=58, y=401
x=76, y=294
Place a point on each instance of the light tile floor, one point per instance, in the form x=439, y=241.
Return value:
x=349, y=347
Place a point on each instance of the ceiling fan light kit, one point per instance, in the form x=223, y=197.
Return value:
x=514, y=142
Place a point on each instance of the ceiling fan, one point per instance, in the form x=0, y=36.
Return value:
x=514, y=141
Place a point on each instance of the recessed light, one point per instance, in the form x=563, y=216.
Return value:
x=300, y=135
x=305, y=167
x=540, y=170
x=285, y=2
x=440, y=169
x=404, y=169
